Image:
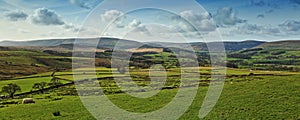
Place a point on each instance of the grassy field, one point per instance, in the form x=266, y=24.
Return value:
x=251, y=97
x=27, y=83
x=264, y=58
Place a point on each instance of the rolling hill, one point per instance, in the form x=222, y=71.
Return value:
x=290, y=44
x=48, y=55
x=110, y=43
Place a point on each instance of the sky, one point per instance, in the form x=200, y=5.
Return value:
x=151, y=20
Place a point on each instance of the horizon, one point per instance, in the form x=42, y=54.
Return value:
x=67, y=38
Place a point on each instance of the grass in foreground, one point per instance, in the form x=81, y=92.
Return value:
x=270, y=97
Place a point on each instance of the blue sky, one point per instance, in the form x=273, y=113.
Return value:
x=231, y=20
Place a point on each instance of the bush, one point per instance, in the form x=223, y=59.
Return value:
x=251, y=74
x=57, y=113
x=54, y=99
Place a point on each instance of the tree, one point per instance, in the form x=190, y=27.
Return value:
x=11, y=89
x=39, y=86
x=54, y=80
x=43, y=85
x=53, y=74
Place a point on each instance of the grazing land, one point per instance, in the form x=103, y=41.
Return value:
x=258, y=97
x=261, y=81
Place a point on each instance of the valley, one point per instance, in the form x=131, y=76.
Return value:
x=261, y=80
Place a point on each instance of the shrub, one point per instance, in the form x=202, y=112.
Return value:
x=11, y=89
x=57, y=113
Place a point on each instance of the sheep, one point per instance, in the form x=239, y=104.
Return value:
x=28, y=100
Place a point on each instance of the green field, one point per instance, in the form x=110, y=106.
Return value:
x=27, y=83
x=260, y=84
x=251, y=97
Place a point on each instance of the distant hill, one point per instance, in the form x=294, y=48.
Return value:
x=111, y=43
x=49, y=42
x=290, y=44
x=235, y=46
x=229, y=46
x=107, y=43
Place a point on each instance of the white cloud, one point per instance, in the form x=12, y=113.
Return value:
x=45, y=20
x=24, y=31
x=16, y=15
x=133, y=29
x=134, y=24
x=138, y=27
x=71, y=27
x=254, y=29
x=111, y=15
x=290, y=26
x=226, y=17
x=3, y=10
x=260, y=16
x=44, y=16
x=80, y=3
x=117, y=16
x=200, y=21
x=41, y=17
x=285, y=30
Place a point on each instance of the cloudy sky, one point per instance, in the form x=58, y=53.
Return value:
x=233, y=20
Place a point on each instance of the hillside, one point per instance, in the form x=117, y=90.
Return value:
x=229, y=46
x=110, y=43
x=235, y=46
x=107, y=43
x=16, y=62
x=291, y=44
x=31, y=57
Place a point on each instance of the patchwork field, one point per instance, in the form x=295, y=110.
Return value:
x=261, y=81
x=264, y=95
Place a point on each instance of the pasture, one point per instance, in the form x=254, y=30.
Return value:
x=269, y=95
